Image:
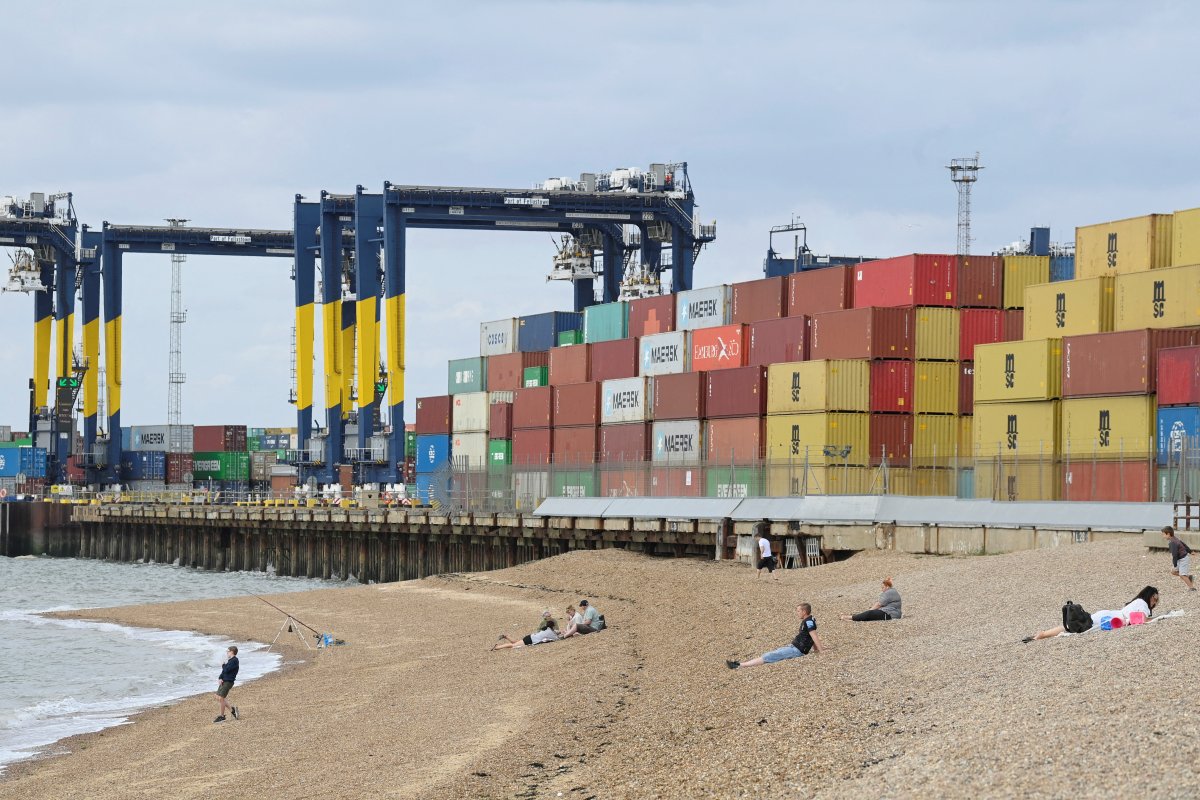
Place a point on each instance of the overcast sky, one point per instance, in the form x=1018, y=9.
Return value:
x=844, y=114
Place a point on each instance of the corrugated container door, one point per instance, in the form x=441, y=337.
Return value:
x=1177, y=435
x=978, y=326
x=1062, y=268
x=892, y=386
x=1016, y=430
x=664, y=353
x=891, y=437
x=817, y=291
x=735, y=440
x=1179, y=376
x=433, y=414
x=1029, y=370
x=1123, y=246
x=499, y=337
x=679, y=396
x=980, y=279
x=570, y=364
x=935, y=440
x=738, y=392
x=718, y=348
x=936, y=334
x=625, y=443
x=471, y=412
x=535, y=376
x=1185, y=236
x=577, y=404
x=605, y=322
x=678, y=442
x=819, y=438
x=1108, y=427
x=533, y=408
x=466, y=375
x=935, y=387
x=531, y=447
x=651, y=315
x=710, y=307
x=1069, y=308
x=1164, y=298
x=1021, y=272
x=626, y=400
x=614, y=359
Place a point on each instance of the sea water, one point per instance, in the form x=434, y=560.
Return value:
x=62, y=677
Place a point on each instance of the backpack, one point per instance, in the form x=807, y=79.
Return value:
x=1075, y=619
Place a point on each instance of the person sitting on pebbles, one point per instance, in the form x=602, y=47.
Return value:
x=1144, y=603
x=586, y=620
x=887, y=608
x=806, y=641
x=540, y=636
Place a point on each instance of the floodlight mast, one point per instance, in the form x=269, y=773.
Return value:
x=964, y=172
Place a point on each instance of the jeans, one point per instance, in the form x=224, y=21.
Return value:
x=781, y=654
x=874, y=615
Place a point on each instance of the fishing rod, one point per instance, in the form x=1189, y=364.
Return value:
x=288, y=614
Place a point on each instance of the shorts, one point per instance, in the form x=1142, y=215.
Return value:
x=767, y=563
x=223, y=689
x=782, y=654
x=528, y=640
x=1185, y=566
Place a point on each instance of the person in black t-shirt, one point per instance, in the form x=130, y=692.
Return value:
x=229, y=671
x=806, y=641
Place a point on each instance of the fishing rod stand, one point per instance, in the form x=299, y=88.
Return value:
x=291, y=626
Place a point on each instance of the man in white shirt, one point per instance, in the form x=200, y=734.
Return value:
x=765, y=558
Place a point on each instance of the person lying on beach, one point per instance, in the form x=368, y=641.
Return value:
x=1145, y=603
x=806, y=641
x=586, y=620
x=888, y=606
x=540, y=636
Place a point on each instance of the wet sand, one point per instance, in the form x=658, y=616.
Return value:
x=946, y=702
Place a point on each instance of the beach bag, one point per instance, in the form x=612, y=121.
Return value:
x=1075, y=619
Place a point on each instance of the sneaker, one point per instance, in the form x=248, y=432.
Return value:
x=220, y=718
x=733, y=664
x=233, y=709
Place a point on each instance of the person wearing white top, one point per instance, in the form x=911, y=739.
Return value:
x=1145, y=602
x=547, y=634
x=766, y=559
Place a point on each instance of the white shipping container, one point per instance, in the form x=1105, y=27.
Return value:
x=711, y=307
x=677, y=442
x=664, y=353
x=5, y=433
x=498, y=338
x=157, y=437
x=496, y=398
x=625, y=400
x=530, y=488
x=469, y=450
x=471, y=412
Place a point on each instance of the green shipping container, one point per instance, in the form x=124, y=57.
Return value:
x=410, y=444
x=253, y=442
x=605, y=322
x=221, y=466
x=733, y=482
x=466, y=375
x=15, y=443
x=1175, y=483
x=575, y=483
x=499, y=453
x=570, y=337
x=536, y=376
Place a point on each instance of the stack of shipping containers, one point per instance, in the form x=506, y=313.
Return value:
x=221, y=460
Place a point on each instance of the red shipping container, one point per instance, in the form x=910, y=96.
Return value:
x=1118, y=362
x=736, y=440
x=738, y=392
x=778, y=341
x=759, y=300
x=816, y=291
x=614, y=359
x=219, y=438
x=680, y=396
x=576, y=445
x=627, y=442
x=506, y=373
x=1119, y=481
x=179, y=467
x=906, y=281
x=1179, y=376
x=650, y=315
x=577, y=404
x=433, y=414
x=980, y=281
x=500, y=421
x=533, y=407
x=862, y=333
x=532, y=446
x=624, y=482
x=892, y=386
x=676, y=482
x=75, y=473
x=570, y=364
x=966, y=388
x=1014, y=325
x=978, y=326
x=719, y=348
x=891, y=435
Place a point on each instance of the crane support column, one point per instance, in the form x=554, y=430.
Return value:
x=682, y=258
x=331, y=330
x=368, y=216
x=43, y=314
x=306, y=219
x=613, y=248
x=111, y=263
x=64, y=343
x=394, y=233
x=91, y=342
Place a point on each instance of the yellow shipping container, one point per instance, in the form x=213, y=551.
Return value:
x=1123, y=246
x=1020, y=272
x=935, y=440
x=1008, y=371
x=935, y=333
x=833, y=385
x=1164, y=298
x=966, y=431
x=1009, y=430
x=1069, y=308
x=931, y=483
x=794, y=437
x=784, y=480
x=1185, y=238
x=1008, y=479
x=1108, y=427
x=935, y=387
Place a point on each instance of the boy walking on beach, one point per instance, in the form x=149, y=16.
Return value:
x=806, y=640
x=766, y=559
x=1181, y=557
x=229, y=671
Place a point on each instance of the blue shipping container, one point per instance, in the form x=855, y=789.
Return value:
x=1178, y=428
x=126, y=435
x=425, y=488
x=27, y=461
x=1039, y=241
x=146, y=465
x=1062, y=268
x=540, y=331
x=433, y=450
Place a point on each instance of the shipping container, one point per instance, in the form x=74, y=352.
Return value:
x=533, y=408
x=574, y=483
x=499, y=337
x=676, y=482
x=505, y=373
x=1109, y=481
x=913, y=280
x=1062, y=268
x=819, y=438
x=936, y=334
x=605, y=322
x=758, y=300
x=220, y=466
x=1179, y=376
x=664, y=353
x=431, y=488
x=816, y=291
x=1176, y=441
x=891, y=386
x=1120, y=362
x=5, y=433
x=651, y=315
x=410, y=443
x=577, y=404
x=532, y=446
x=980, y=281
x=678, y=442
x=978, y=326
x=158, y=437
x=499, y=453
x=718, y=348
x=824, y=385
x=935, y=440
x=1185, y=238
x=578, y=444
x=935, y=387
x=890, y=438
x=470, y=449
x=614, y=359
x=260, y=466
x=777, y=341
x=1014, y=325
x=966, y=387
x=568, y=338
x=793, y=480
x=624, y=483
x=1015, y=430
x=570, y=365
x=625, y=442
x=626, y=400
x=500, y=420
x=1069, y=308
x=1021, y=272
x=535, y=376
x=471, y=412
x=180, y=467
x=283, y=484
x=680, y=396
x=1123, y=246
x=732, y=482
x=1008, y=371
x=1176, y=484
x=710, y=307
x=1164, y=298
x=1015, y=480
x=433, y=451
x=148, y=465
x=966, y=439
x=530, y=488
x=498, y=398
x=1108, y=427
x=738, y=392
x=466, y=375
x=863, y=333
x=540, y=331
x=734, y=440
